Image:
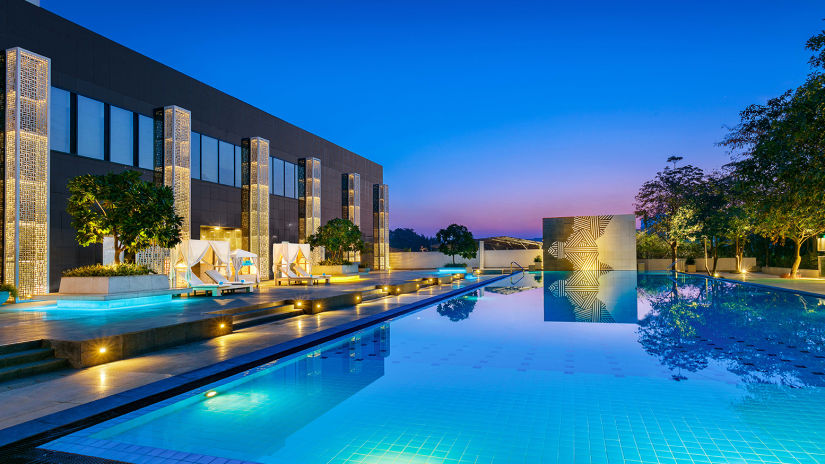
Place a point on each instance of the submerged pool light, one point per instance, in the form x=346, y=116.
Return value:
x=210, y=393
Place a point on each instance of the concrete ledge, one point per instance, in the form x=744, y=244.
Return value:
x=52, y=426
x=117, y=284
x=317, y=305
x=86, y=353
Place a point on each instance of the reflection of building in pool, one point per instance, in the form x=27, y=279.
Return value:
x=591, y=296
x=516, y=283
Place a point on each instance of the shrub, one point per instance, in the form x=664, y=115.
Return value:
x=330, y=262
x=537, y=259
x=460, y=265
x=112, y=270
x=9, y=288
x=690, y=261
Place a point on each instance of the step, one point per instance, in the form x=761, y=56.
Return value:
x=250, y=308
x=27, y=356
x=267, y=318
x=261, y=311
x=23, y=346
x=32, y=368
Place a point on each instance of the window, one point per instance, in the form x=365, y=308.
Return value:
x=277, y=167
x=237, y=166
x=195, y=159
x=209, y=159
x=121, y=142
x=290, y=189
x=60, y=120
x=146, y=142
x=226, y=163
x=89, y=127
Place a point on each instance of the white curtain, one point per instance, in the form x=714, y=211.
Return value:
x=222, y=251
x=238, y=258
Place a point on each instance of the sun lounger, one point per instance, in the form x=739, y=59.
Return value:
x=220, y=279
x=197, y=285
x=288, y=276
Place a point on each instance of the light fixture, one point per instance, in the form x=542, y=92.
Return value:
x=298, y=304
x=318, y=305
x=210, y=393
x=222, y=325
x=101, y=350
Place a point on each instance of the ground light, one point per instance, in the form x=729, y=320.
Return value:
x=101, y=350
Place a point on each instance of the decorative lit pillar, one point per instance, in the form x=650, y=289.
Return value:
x=380, y=226
x=255, y=200
x=309, y=201
x=25, y=148
x=172, y=137
x=351, y=204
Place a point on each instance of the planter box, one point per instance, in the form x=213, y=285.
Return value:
x=342, y=269
x=109, y=285
x=535, y=267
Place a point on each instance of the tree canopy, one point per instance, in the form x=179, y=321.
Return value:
x=338, y=237
x=136, y=213
x=408, y=239
x=457, y=240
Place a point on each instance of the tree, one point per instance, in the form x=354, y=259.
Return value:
x=408, y=239
x=666, y=204
x=712, y=215
x=778, y=157
x=457, y=240
x=338, y=237
x=137, y=214
x=458, y=309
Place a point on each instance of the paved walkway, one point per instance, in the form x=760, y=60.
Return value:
x=32, y=321
x=30, y=398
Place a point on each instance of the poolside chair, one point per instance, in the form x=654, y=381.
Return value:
x=289, y=276
x=305, y=274
x=220, y=279
x=197, y=285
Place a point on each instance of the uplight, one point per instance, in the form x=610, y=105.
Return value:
x=318, y=305
x=222, y=325
x=298, y=304
x=101, y=350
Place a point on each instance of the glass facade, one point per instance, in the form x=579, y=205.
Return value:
x=290, y=188
x=90, y=121
x=276, y=187
x=61, y=120
x=237, y=166
x=196, y=155
x=146, y=142
x=209, y=159
x=226, y=163
x=121, y=136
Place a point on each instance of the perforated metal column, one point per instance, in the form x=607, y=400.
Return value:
x=309, y=201
x=351, y=204
x=25, y=163
x=380, y=226
x=255, y=200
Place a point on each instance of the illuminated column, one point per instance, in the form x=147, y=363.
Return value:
x=380, y=227
x=172, y=134
x=255, y=200
x=309, y=201
x=351, y=204
x=25, y=178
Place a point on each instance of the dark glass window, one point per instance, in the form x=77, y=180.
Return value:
x=237, y=166
x=89, y=127
x=195, y=160
x=209, y=159
x=226, y=156
x=60, y=120
x=277, y=176
x=290, y=187
x=121, y=142
x=146, y=142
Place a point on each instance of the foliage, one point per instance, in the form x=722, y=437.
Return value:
x=458, y=309
x=690, y=260
x=408, y=239
x=665, y=204
x=329, y=262
x=137, y=214
x=457, y=240
x=537, y=259
x=650, y=246
x=9, y=288
x=112, y=270
x=456, y=265
x=338, y=237
x=778, y=159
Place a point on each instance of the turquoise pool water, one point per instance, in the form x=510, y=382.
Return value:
x=614, y=367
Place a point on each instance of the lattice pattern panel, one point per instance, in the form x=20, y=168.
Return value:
x=26, y=93
x=309, y=201
x=255, y=200
x=580, y=248
x=380, y=226
x=156, y=258
x=177, y=131
x=351, y=204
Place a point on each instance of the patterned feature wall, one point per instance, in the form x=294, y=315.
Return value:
x=590, y=243
x=255, y=200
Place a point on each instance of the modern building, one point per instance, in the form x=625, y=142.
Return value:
x=75, y=102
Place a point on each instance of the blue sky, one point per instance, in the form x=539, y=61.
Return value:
x=489, y=114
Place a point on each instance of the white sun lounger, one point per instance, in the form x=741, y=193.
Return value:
x=197, y=285
x=220, y=279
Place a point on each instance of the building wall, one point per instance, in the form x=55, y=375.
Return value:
x=493, y=259
x=581, y=243
x=90, y=65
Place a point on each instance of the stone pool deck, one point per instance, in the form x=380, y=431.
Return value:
x=815, y=287
x=37, y=404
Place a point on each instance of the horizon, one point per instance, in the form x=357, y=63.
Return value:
x=504, y=115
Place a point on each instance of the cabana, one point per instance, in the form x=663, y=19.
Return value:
x=291, y=263
x=245, y=265
x=213, y=254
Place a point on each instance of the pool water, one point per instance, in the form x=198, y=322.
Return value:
x=604, y=367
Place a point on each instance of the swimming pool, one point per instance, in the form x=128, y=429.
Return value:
x=603, y=367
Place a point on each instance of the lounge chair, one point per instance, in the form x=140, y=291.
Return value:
x=289, y=276
x=197, y=285
x=303, y=273
x=220, y=279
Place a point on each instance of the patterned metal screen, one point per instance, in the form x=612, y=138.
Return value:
x=351, y=204
x=380, y=226
x=25, y=180
x=255, y=200
x=309, y=200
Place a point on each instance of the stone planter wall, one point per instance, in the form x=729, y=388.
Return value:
x=343, y=269
x=107, y=285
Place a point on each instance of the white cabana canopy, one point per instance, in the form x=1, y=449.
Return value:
x=285, y=254
x=188, y=253
x=241, y=258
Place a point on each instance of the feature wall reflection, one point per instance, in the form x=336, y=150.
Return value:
x=591, y=296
